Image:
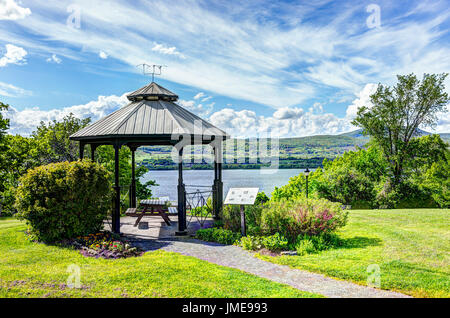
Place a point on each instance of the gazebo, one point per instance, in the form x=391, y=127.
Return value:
x=153, y=118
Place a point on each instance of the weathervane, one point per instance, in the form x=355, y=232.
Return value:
x=155, y=69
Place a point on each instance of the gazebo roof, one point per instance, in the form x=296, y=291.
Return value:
x=151, y=116
x=152, y=90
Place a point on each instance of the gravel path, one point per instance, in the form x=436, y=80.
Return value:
x=236, y=257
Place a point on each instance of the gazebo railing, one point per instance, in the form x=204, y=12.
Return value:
x=199, y=203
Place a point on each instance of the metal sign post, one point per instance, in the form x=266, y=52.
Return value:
x=242, y=197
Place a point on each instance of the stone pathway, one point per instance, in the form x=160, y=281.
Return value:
x=235, y=257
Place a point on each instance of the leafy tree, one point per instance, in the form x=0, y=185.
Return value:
x=53, y=140
x=4, y=126
x=397, y=114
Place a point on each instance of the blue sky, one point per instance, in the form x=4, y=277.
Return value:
x=296, y=68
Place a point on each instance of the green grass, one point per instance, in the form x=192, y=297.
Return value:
x=30, y=269
x=412, y=248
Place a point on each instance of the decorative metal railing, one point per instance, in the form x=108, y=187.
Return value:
x=199, y=203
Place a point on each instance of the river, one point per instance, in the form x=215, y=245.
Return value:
x=168, y=179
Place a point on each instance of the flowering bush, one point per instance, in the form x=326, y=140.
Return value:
x=302, y=216
x=104, y=245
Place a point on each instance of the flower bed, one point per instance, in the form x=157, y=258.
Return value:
x=105, y=245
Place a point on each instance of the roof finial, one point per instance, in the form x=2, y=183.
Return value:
x=155, y=69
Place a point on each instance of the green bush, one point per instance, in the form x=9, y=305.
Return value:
x=274, y=243
x=64, y=200
x=251, y=243
x=218, y=235
x=302, y=216
x=261, y=198
x=305, y=247
x=231, y=217
x=320, y=242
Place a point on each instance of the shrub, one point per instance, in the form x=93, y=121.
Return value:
x=305, y=246
x=218, y=235
x=274, y=243
x=302, y=216
x=261, y=198
x=231, y=217
x=64, y=200
x=251, y=243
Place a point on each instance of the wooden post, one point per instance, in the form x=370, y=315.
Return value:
x=133, y=178
x=181, y=198
x=81, y=150
x=215, y=197
x=116, y=212
x=93, y=148
x=243, y=224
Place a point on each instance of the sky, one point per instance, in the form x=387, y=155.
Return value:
x=290, y=68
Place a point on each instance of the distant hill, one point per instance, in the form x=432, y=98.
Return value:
x=358, y=134
x=298, y=152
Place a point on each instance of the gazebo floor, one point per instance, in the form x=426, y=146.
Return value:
x=157, y=229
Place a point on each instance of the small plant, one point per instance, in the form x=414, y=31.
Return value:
x=218, y=235
x=274, y=243
x=251, y=243
x=306, y=246
x=261, y=198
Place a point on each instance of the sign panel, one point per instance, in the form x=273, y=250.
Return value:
x=241, y=196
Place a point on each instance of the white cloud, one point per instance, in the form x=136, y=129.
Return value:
x=199, y=95
x=9, y=90
x=10, y=10
x=443, y=125
x=13, y=55
x=161, y=48
x=235, y=51
x=54, y=59
x=288, y=113
x=362, y=100
x=25, y=121
x=200, y=110
x=284, y=122
x=103, y=55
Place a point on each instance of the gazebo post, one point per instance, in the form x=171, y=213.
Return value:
x=82, y=150
x=133, y=202
x=218, y=184
x=93, y=148
x=116, y=212
x=181, y=198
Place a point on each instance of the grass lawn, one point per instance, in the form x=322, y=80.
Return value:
x=30, y=269
x=412, y=248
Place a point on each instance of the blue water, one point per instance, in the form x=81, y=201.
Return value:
x=168, y=180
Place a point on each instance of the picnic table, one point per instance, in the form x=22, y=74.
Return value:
x=150, y=207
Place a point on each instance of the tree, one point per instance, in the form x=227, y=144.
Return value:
x=4, y=126
x=53, y=139
x=397, y=114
